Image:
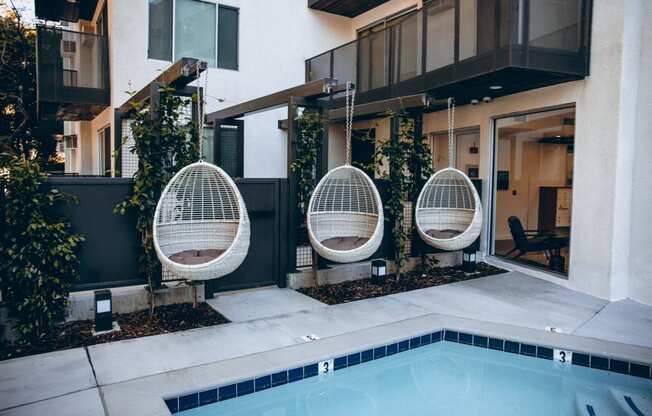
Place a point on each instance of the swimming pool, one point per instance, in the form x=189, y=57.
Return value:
x=439, y=378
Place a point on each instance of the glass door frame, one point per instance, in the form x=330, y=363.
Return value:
x=489, y=239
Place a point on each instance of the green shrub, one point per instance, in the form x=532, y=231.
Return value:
x=39, y=261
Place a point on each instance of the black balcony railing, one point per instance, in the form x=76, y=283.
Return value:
x=72, y=73
x=452, y=41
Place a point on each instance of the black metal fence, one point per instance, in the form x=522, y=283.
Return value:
x=109, y=254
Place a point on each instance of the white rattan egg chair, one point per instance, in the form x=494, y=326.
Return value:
x=201, y=226
x=345, y=214
x=449, y=211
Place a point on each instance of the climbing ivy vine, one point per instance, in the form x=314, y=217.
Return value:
x=310, y=128
x=164, y=144
x=399, y=163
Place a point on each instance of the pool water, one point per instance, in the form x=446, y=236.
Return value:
x=447, y=379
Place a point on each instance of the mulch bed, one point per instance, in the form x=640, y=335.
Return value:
x=169, y=318
x=365, y=289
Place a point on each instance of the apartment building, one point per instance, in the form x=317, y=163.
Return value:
x=552, y=118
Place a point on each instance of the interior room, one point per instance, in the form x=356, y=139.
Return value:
x=533, y=184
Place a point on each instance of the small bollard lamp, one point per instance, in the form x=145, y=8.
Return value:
x=103, y=311
x=378, y=271
x=468, y=260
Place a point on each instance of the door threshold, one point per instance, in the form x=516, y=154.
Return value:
x=549, y=276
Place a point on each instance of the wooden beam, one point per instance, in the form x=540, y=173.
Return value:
x=178, y=75
x=309, y=90
x=380, y=107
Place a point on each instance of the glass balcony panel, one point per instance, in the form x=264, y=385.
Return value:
x=409, y=48
x=468, y=26
x=319, y=67
x=344, y=62
x=555, y=24
x=377, y=60
x=440, y=32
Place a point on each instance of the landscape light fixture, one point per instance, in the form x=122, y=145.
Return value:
x=496, y=87
x=468, y=259
x=103, y=311
x=378, y=271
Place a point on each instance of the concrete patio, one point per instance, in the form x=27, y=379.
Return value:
x=91, y=380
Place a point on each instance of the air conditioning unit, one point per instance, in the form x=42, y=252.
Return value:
x=70, y=141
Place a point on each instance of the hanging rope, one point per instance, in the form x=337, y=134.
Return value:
x=451, y=131
x=200, y=110
x=350, y=103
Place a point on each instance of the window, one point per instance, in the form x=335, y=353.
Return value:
x=104, y=151
x=193, y=29
x=160, y=30
x=227, y=38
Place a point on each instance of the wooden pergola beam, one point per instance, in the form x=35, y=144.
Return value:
x=178, y=75
x=309, y=90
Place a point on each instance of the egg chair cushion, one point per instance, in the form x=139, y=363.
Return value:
x=344, y=243
x=443, y=233
x=201, y=226
x=345, y=216
x=196, y=256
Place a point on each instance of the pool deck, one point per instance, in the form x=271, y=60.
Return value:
x=130, y=377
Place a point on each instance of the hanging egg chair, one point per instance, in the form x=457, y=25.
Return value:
x=201, y=227
x=449, y=211
x=345, y=213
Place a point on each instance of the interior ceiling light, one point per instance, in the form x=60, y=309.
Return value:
x=496, y=87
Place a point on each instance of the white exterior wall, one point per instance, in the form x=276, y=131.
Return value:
x=611, y=239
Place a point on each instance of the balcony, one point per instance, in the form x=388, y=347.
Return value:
x=72, y=74
x=348, y=8
x=465, y=49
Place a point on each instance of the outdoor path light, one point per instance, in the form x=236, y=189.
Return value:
x=103, y=311
x=378, y=271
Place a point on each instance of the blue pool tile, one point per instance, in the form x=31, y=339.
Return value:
x=403, y=346
x=496, y=344
x=227, y=392
x=207, y=397
x=619, y=366
x=529, y=350
x=545, y=352
x=354, y=359
x=295, y=374
x=633, y=406
x=245, y=387
x=513, y=347
x=379, y=352
x=339, y=363
x=263, y=383
x=189, y=401
x=435, y=336
x=465, y=338
x=450, y=336
x=598, y=362
x=367, y=355
x=310, y=370
x=639, y=370
x=581, y=359
x=392, y=349
x=480, y=341
x=415, y=342
x=281, y=378
x=425, y=339
x=172, y=404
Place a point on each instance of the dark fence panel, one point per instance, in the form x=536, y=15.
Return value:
x=109, y=255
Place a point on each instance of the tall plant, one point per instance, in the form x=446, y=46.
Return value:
x=404, y=163
x=164, y=144
x=38, y=250
x=310, y=128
